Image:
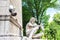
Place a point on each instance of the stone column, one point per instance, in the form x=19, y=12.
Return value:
x=9, y=31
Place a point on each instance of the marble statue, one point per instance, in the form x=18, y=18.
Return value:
x=32, y=27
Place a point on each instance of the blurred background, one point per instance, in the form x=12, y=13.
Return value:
x=46, y=12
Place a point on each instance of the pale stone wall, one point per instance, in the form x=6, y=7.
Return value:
x=3, y=11
x=6, y=27
x=18, y=8
x=4, y=7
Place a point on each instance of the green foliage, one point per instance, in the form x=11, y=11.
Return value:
x=57, y=18
x=52, y=31
x=37, y=9
x=26, y=17
x=57, y=25
x=44, y=20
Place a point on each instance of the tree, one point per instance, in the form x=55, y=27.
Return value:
x=26, y=18
x=36, y=8
x=50, y=31
x=53, y=29
x=57, y=18
x=57, y=25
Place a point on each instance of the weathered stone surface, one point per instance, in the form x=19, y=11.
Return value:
x=10, y=38
x=4, y=2
x=14, y=30
x=4, y=11
x=18, y=9
x=1, y=27
x=6, y=27
x=26, y=38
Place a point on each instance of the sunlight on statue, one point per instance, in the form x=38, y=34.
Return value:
x=32, y=27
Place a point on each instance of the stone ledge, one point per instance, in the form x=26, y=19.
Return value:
x=18, y=38
x=26, y=38
x=10, y=38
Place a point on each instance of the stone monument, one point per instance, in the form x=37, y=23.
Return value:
x=10, y=25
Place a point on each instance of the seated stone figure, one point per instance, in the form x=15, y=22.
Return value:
x=32, y=27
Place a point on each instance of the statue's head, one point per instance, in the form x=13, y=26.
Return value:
x=32, y=20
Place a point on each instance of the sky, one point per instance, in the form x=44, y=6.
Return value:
x=51, y=12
